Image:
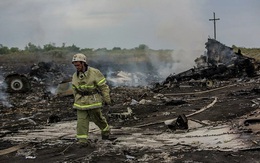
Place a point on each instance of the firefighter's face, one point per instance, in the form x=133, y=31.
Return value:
x=79, y=65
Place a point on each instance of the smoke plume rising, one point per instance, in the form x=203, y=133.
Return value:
x=3, y=96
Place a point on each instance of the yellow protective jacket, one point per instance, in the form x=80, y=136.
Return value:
x=90, y=89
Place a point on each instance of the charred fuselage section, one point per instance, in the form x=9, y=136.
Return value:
x=220, y=62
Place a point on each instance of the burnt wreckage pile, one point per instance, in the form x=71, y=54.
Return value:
x=151, y=125
x=220, y=62
x=43, y=73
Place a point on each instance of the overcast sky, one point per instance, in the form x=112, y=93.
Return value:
x=160, y=24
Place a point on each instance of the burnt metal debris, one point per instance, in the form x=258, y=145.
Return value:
x=48, y=73
x=180, y=123
x=220, y=62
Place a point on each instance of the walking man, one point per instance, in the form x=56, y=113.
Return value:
x=90, y=93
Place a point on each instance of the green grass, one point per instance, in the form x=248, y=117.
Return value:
x=250, y=52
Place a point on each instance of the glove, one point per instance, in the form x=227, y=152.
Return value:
x=107, y=100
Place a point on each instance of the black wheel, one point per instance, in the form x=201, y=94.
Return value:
x=17, y=83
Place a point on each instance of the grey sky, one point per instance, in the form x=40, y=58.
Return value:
x=160, y=24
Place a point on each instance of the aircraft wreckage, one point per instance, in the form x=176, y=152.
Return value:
x=151, y=125
x=220, y=62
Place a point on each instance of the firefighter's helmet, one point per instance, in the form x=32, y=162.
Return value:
x=79, y=57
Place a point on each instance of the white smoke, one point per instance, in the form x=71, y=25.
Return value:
x=52, y=90
x=3, y=96
x=122, y=78
x=4, y=100
x=153, y=67
x=180, y=26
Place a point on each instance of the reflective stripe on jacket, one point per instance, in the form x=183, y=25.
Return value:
x=90, y=89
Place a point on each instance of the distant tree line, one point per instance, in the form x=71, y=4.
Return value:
x=52, y=48
x=32, y=48
x=63, y=53
x=136, y=54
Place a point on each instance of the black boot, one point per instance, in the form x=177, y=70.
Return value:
x=107, y=137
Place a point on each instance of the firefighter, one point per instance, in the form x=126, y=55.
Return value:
x=90, y=93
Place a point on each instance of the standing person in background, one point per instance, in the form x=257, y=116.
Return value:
x=90, y=93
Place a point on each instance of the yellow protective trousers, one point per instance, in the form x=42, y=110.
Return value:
x=93, y=115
